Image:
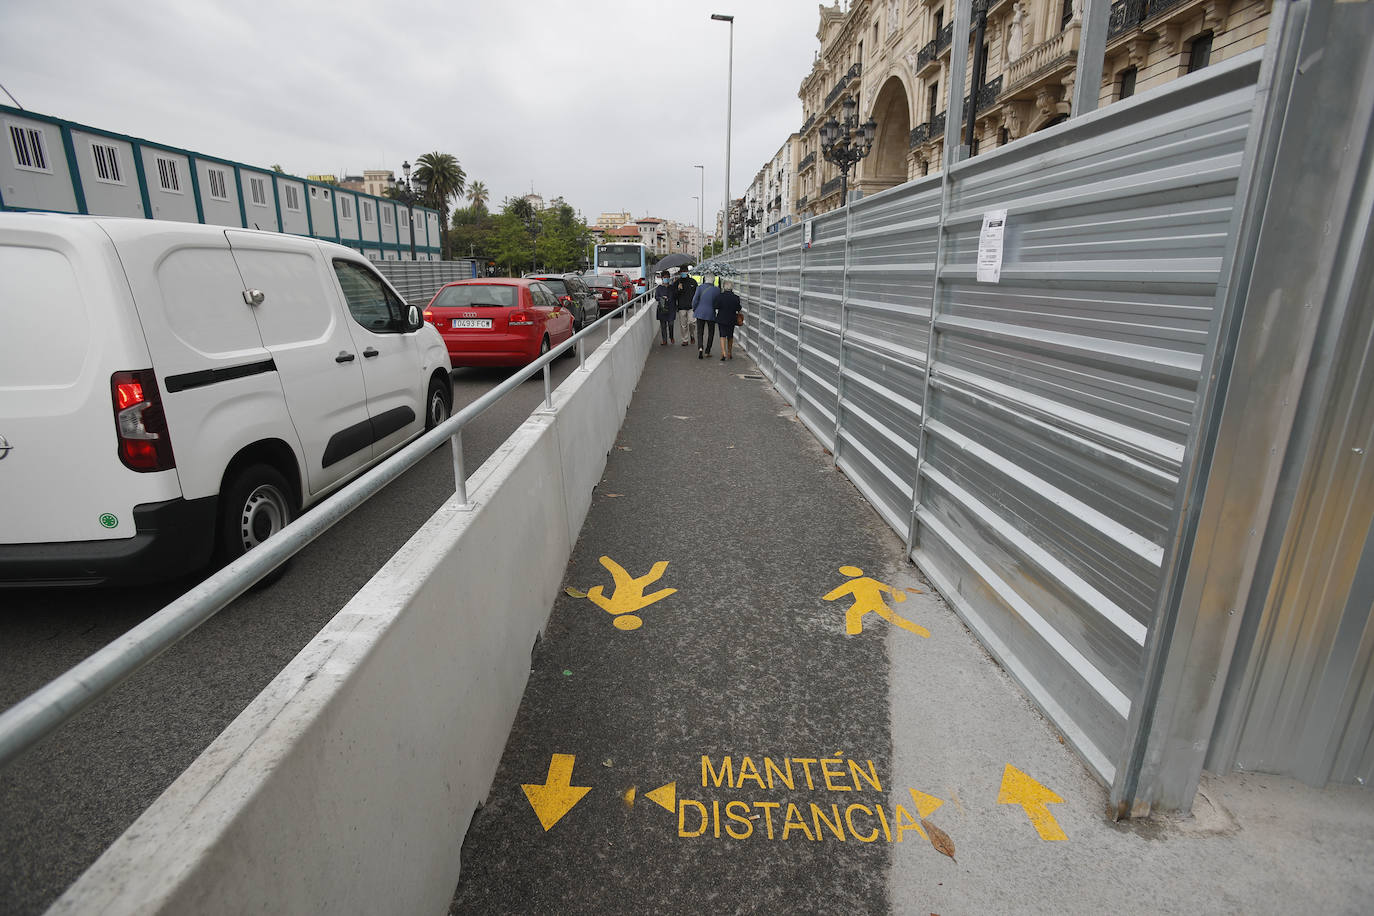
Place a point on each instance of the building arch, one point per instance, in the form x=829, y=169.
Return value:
x=888, y=162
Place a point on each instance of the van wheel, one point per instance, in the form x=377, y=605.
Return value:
x=256, y=505
x=438, y=403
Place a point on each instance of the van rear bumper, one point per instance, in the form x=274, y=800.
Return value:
x=173, y=538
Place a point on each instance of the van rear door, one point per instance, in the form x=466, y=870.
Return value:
x=319, y=366
x=67, y=323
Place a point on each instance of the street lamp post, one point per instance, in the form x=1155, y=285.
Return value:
x=701, y=215
x=729, y=99
x=409, y=193
x=846, y=142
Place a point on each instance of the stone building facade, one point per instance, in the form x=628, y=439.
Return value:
x=894, y=57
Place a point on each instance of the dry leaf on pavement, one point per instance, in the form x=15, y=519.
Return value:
x=939, y=839
x=574, y=592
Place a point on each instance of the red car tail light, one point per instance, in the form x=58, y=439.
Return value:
x=519, y=319
x=140, y=423
x=429, y=316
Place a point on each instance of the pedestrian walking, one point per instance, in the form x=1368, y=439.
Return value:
x=684, y=288
x=704, y=309
x=727, y=312
x=664, y=309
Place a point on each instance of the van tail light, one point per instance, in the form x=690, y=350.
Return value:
x=140, y=423
x=520, y=319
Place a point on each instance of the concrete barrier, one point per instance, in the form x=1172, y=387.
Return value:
x=349, y=782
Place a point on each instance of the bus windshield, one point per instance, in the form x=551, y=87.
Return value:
x=619, y=256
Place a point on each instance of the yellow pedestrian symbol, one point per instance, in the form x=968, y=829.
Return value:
x=868, y=599
x=629, y=596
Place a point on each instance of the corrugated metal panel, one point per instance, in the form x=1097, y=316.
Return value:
x=886, y=321
x=822, y=291
x=1062, y=396
x=788, y=315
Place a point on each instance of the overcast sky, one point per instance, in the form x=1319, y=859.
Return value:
x=608, y=103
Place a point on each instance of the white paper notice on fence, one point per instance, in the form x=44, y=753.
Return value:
x=990, y=246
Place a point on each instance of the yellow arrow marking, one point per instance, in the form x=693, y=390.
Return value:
x=1035, y=799
x=925, y=806
x=664, y=796
x=557, y=796
x=629, y=797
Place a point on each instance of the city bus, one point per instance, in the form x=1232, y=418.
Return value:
x=628, y=258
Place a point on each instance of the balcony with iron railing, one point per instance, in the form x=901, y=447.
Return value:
x=930, y=131
x=831, y=186
x=806, y=125
x=801, y=203
x=930, y=54
x=807, y=161
x=850, y=76
x=987, y=95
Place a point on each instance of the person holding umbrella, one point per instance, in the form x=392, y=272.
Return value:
x=664, y=308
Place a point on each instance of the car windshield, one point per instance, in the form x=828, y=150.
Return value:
x=477, y=295
x=602, y=282
x=558, y=286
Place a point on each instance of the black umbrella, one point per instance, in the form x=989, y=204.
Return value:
x=673, y=260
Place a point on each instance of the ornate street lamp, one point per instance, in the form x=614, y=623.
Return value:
x=844, y=142
x=409, y=193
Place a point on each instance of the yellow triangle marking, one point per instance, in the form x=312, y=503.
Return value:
x=664, y=796
x=925, y=804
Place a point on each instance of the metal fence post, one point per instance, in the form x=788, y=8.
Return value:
x=844, y=312
x=952, y=156
x=460, y=477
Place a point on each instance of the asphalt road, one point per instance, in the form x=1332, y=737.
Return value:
x=68, y=799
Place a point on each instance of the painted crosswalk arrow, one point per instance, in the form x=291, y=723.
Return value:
x=557, y=796
x=1034, y=799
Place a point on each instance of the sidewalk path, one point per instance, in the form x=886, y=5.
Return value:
x=742, y=744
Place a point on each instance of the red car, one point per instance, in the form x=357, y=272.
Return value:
x=609, y=294
x=498, y=321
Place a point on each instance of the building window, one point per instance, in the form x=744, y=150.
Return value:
x=1067, y=15
x=939, y=22
x=346, y=207
x=258, y=189
x=30, y=150
x=1003, y=137
x=167, y=175
x=1125, y=81
x=973, y=150
x=386, y=216
x=293, y=197
x=219, y=188
x=367, y=211
x=314, y=192
x=932, y=99
x=106, y=163
x=1200, y=52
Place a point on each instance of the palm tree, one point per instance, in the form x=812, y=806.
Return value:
x=443, y=179
x=478, y=195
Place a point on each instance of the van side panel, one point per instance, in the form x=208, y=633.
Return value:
x=69, y=325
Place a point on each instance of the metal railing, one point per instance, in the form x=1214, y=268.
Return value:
x=44, y=711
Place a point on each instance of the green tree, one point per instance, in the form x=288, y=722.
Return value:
x=478, y=195
x=443, y=179
x=471, y=233
x=512, y=243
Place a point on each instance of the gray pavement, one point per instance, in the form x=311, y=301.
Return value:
x=741, y=752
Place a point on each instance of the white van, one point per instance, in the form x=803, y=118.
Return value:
x=171, y=391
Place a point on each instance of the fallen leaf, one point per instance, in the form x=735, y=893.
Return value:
x=676, y=417
x=729, y=446
x=574, y=592
x=939, y=839
x=606, y=762
x=914, y=591
x=613, y=495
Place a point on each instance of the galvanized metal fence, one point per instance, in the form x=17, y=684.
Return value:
x=1028, y=437
x=418, y=281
